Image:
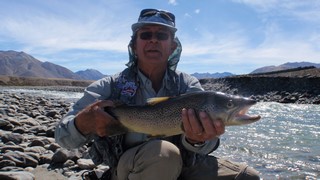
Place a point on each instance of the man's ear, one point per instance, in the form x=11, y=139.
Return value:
x=173, y=46
x=134, y=50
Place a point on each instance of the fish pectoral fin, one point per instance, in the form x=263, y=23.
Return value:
x=117, y=103
x=156, y=100
x=116, y=129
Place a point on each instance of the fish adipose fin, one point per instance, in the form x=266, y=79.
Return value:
x=156, y=100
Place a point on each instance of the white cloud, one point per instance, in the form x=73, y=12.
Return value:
x=65, y=35
x=261, y=5
x=305, y=10
x=59, y=30
x=212, y=51
x=187, y=15
x=105, y=67
x=54, y=33
x=277, y=43
x=173, y=2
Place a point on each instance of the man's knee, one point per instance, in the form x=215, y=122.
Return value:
x=163, y=151
x=150, y=160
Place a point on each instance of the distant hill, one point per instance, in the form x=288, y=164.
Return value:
x=289, y=65
x=21, y=64
x=90, y=74
x=14, y=63
x=211, y=75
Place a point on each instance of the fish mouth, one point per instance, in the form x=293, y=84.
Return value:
x=241, y=116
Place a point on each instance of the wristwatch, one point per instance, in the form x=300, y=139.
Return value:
x=198, y=144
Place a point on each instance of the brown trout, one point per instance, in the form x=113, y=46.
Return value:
x=162, y=116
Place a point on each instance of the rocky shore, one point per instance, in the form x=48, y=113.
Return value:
x=27, y=147
x=299, y=90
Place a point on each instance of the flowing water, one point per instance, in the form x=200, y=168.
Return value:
x=284, y=144
x=66, y=95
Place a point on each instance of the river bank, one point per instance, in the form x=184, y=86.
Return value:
x=298, y=90
x=28, y=149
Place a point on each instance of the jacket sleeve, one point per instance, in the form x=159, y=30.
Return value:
x=192, y=85
x=66, y=133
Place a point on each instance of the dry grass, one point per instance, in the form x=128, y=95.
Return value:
x=33, y=81
x=312, y=72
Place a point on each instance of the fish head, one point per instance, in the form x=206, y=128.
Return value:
x=231, y=109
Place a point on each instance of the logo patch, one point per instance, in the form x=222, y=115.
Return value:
x=127, y=88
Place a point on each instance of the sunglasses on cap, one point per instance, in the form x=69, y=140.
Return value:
x=148, y=35
x=151, y=12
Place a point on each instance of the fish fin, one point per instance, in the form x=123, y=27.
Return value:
x=182, y=127
x=116, y=129
x=117, y=103
x=156, y=100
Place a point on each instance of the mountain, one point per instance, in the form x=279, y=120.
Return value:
x=289, y=65
x=14, y=63
x=21, y=64
x=210, y=75
x=90, y=74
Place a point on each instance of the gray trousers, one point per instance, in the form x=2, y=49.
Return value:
x=161, y=160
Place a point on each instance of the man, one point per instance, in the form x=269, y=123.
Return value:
x=154, y=52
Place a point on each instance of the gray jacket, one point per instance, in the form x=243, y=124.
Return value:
x=133, y=88
x=69, y=137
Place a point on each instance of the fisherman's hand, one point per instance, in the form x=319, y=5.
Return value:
x=94, y=120
x=202, y=129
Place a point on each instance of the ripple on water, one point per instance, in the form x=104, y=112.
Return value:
x=284, y=144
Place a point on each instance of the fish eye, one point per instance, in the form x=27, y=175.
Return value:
x=230, y=104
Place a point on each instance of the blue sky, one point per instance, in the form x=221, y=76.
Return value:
x=234, y=36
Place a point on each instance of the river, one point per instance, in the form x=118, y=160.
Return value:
x=284, y=144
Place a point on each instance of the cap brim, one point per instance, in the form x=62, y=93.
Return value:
x=138, y=25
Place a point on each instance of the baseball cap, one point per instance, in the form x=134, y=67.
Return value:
x=157, y=17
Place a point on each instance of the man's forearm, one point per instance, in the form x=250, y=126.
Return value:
x=67, y=135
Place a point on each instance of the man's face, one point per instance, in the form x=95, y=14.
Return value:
x=154, y=44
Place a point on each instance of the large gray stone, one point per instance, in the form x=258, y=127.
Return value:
x=21, y=175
